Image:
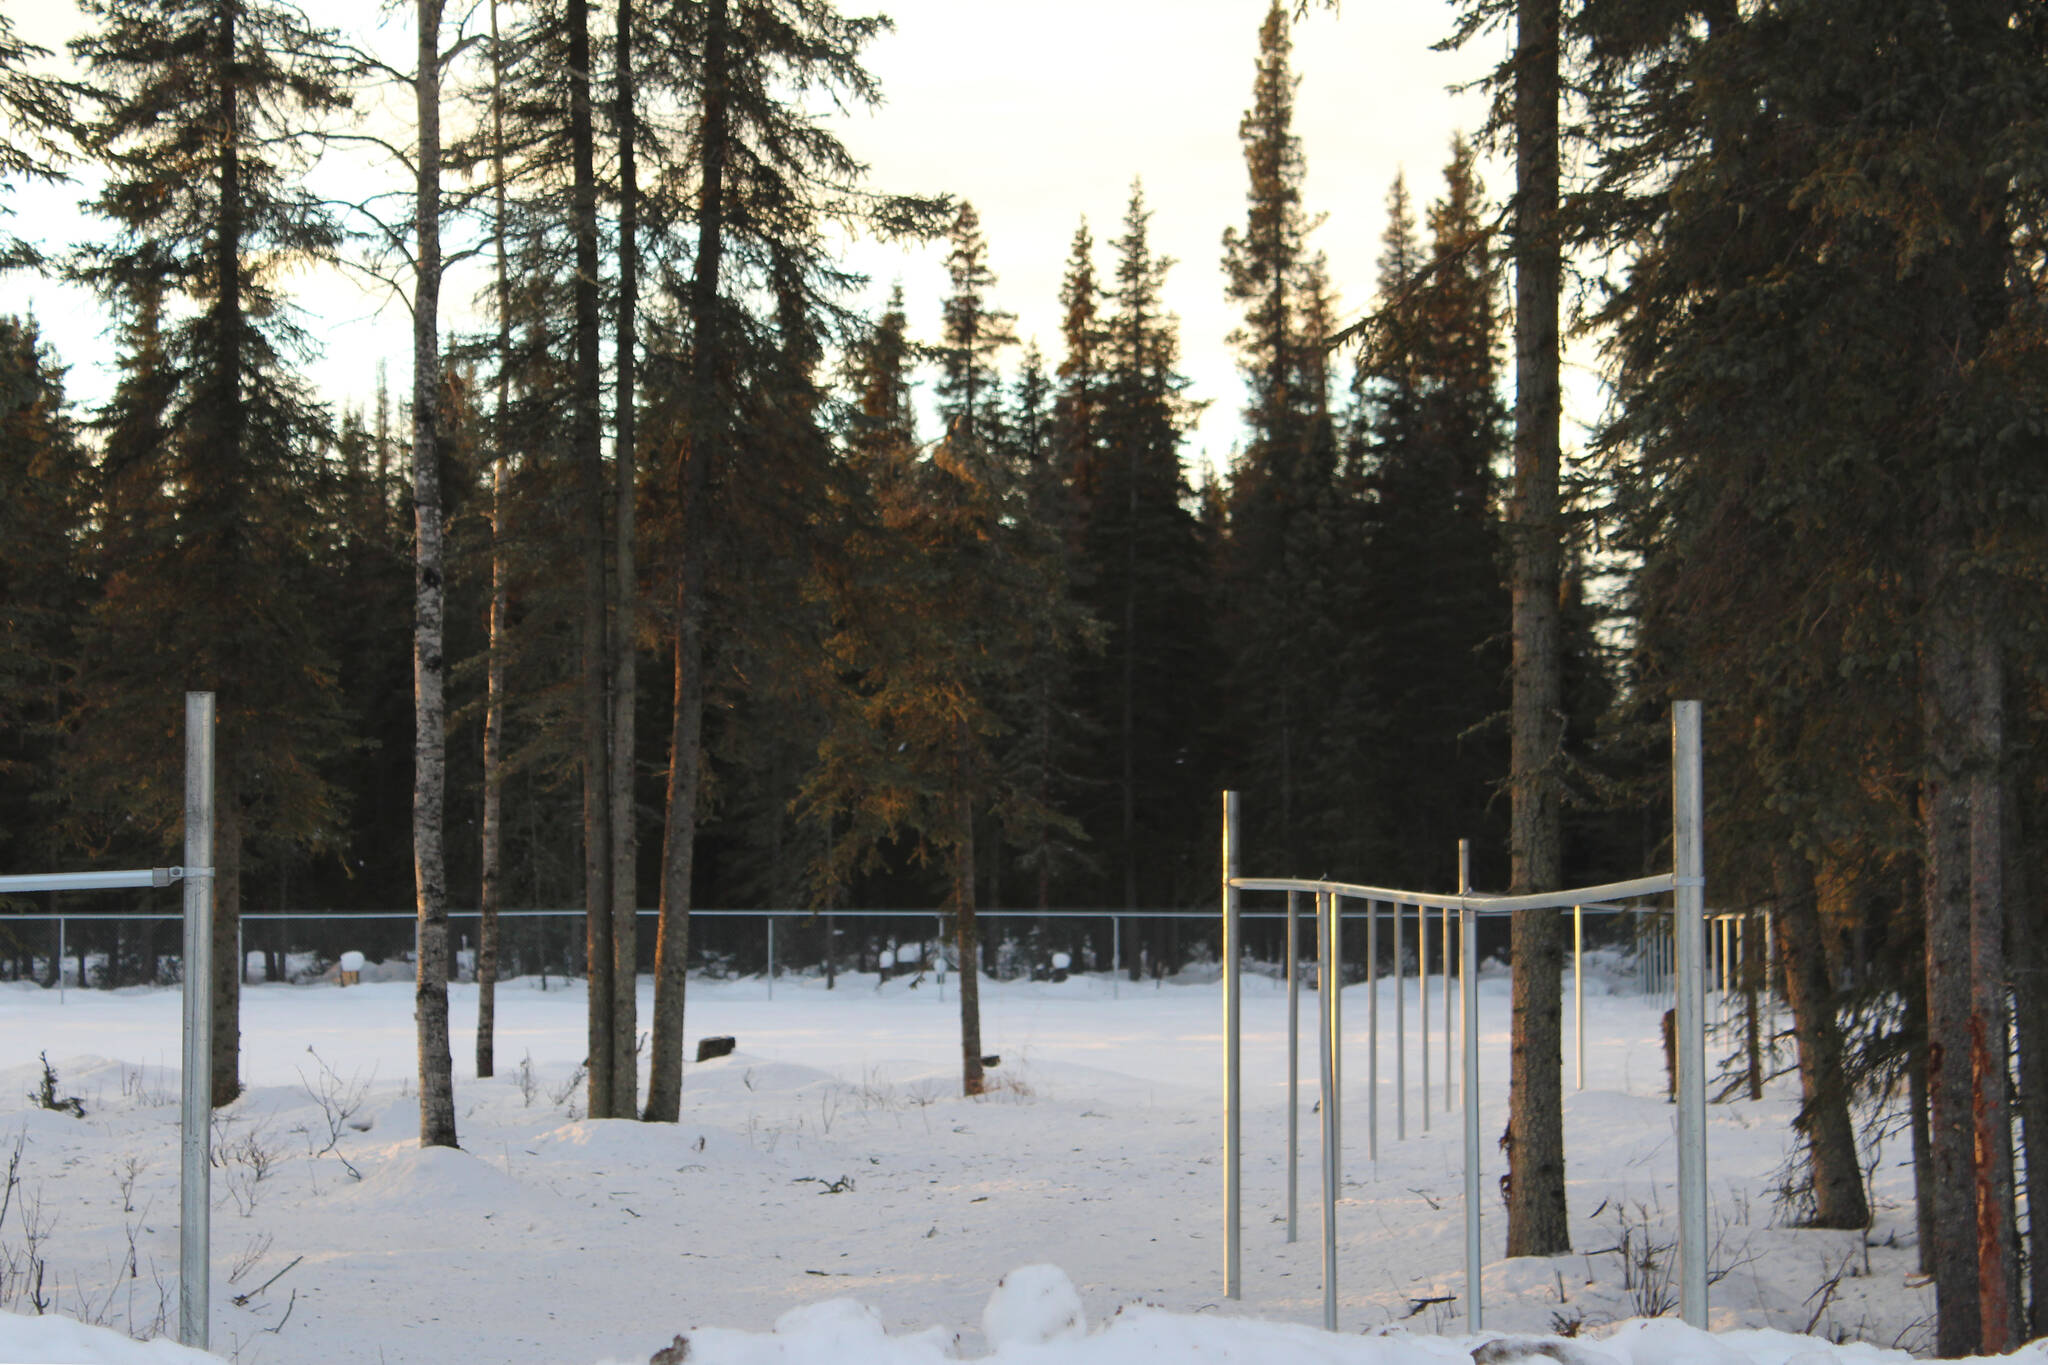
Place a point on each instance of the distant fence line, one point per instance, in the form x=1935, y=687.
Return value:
x=117, y=948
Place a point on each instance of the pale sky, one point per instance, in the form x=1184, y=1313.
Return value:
x=1039, y=112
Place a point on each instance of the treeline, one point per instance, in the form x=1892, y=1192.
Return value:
x=728, y=620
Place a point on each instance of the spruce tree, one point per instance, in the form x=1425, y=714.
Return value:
x=767, y=173
x=205, y=114
x=45, y=483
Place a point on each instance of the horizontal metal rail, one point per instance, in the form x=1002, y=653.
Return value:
x=1585, y=896
x=97, y=881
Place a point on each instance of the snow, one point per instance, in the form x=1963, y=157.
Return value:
x=829, y=1197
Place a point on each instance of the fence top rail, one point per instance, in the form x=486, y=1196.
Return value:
x=577, y=913
x=1483, y=904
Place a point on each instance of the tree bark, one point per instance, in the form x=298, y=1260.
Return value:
x=490, y=892
x=1537, y=1215
x=430, y=875
x=1998, y=1265
x=227, y=925
x=965, y=936
x=1838, y=1195
x=703, y=444
x=1945, y=819
x=587, y=450
x=625, y=1026
x=2030, y=1017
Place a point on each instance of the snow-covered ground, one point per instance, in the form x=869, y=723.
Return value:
x=832, y=1159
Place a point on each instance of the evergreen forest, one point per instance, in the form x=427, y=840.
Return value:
x=670, y=578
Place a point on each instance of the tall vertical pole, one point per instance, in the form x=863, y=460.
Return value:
x=1326, y=923
x=1464, y=889
x=1400, y=1035
x=1372, y=1031
x=1468, y=1000
x=1579, y=989
x=1422, y=999
x=1687, y=926
x=771, y=962
x=1337, y=1035
x=1293, y=1059
x=60, y=961
x=195, y=1289
x=1233, y=1265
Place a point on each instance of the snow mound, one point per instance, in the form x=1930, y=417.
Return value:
x=51, y=1338
x=1034, y=1305
x=436, y=1182
x=836, y=1332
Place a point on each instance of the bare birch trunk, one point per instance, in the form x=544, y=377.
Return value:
x=1537, y=1213
x=490, y=893
x=437, y=1083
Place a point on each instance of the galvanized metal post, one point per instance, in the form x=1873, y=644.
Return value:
x=1116, y=945
x=1464, y=889
x=771, y=962
x=60, y=960
x=1422, y=999
x=1400, y=1035
x=1468, y=997
x=196, y=1081
x=1293, y=1061
x=1337, y=1029
x=1372, y=1031
x=1233, y=1263
x=1689, y=902
x=1450, y=1071
x=1579, y=989
x=1325, y=922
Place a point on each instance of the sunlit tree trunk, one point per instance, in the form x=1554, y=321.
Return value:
x=430, y=878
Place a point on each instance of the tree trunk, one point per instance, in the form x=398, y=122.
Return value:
x=1838, y=1195
x=1752, y=977
x=2030, y=1018
x=625, y=1027
x=964, y=942
x=1945, y=818
x=587, y=451
x=430, y=766
x=1537, y=1213
x=490, y=893
x=227, y=928
x=702, y=445
x=1998, y=1263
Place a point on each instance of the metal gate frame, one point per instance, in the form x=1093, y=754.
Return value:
x=195, y=1082
x=1686, y=883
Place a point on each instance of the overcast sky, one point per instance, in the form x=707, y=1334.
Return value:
x=1039, y=112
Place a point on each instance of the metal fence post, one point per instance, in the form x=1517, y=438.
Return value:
x=1400, y=1034
x=1233, y=1262
x=60, y=960
x=1579, y=989
x=196, y=1082
x=1325, y=921
x=1293, y=1061
x=1372, y=1030
x=1422, y=999
x=1689, y=901
x=1468, y=999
